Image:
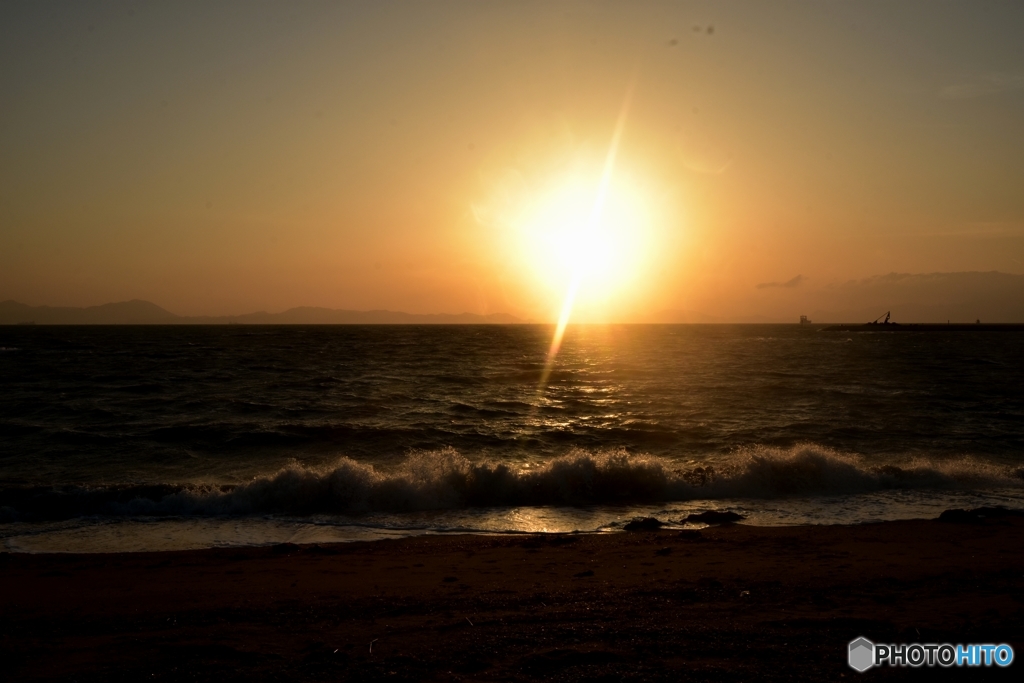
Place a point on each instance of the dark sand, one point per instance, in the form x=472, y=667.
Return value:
x=730, y=603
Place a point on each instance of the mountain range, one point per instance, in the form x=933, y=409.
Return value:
x=922, y=297
x=138, y=312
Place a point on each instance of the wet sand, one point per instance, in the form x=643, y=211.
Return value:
x=728, y=603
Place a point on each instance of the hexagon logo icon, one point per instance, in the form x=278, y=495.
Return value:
x=862, y=654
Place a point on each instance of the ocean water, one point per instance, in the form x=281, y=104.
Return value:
x=145, y=438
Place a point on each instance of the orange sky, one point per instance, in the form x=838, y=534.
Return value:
x=248, y=156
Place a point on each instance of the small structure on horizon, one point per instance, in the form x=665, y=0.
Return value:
x=884, y=322
x=804, y=320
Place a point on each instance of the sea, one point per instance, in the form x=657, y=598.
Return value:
x=125, y=438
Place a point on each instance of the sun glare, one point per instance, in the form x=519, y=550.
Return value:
x=582, y=241
x=561, y=239
x=571, y=232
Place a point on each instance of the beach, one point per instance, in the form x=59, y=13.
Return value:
x=511, y=341
x=730, y=602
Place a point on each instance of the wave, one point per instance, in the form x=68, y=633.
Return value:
x=444, y=479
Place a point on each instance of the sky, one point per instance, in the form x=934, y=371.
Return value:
x=218, y=158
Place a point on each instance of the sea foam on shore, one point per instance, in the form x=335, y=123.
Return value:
x=445, y=480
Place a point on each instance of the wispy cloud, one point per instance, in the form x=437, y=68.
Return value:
x=795, y=282
x=982, y=85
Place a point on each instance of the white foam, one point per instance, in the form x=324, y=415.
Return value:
x=444, y=479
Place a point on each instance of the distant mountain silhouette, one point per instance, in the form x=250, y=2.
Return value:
x=927, y=297
x=924, y=297
x=911, y=297
x=137, y=312
x=310, y=315
x=134, y=312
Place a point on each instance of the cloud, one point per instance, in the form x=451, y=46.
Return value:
x=795, y=282
x=981, y=86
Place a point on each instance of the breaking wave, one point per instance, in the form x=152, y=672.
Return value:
x=444, y=479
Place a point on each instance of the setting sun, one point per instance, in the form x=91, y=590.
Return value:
x=576, y=231
x=561, y=236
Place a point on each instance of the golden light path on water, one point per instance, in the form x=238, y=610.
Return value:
x=592, y=220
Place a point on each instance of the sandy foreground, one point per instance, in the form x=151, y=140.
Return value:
x=728, y=603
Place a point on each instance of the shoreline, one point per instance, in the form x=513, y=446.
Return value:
x=724, y=603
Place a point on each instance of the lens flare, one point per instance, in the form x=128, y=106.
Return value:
x=585, y=239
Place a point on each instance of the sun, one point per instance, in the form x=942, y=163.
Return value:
x=568, y=234
x=591, y=240
x=587, y=236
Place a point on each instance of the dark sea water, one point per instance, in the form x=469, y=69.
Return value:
x=116, y=438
